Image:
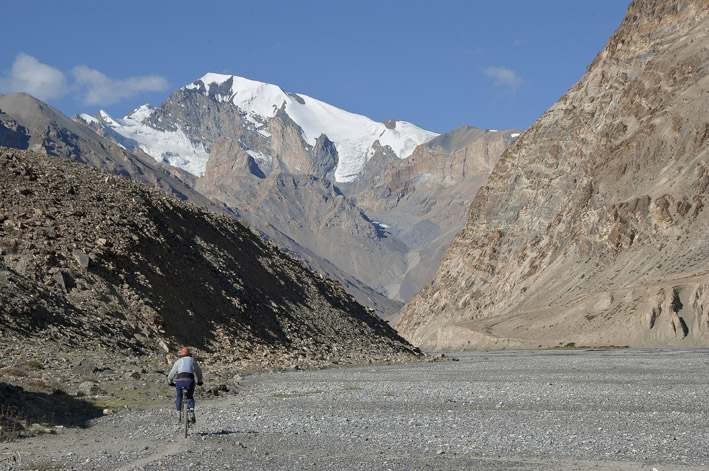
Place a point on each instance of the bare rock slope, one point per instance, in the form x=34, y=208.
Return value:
x=97, y=262
x=593, y=227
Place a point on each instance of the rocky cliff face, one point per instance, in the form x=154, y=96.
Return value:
x=94, y=261
x=421, y=201
x=305, y=215
x=592, y=229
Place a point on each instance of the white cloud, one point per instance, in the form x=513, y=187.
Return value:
x=503, y=77
x=95, y=88
x=100, y=89
x=31, y=76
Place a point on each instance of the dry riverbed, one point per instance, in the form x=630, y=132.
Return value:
x=575, y=409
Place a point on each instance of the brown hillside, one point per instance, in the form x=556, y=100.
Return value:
x=96, y=262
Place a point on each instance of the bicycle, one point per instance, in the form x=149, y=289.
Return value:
x=183, y=416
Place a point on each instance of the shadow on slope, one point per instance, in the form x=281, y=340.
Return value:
x=19, y=409
x=207, y=274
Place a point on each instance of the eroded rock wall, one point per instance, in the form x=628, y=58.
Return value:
x=594, y=221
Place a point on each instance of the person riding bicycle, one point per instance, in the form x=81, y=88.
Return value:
x=185, y=369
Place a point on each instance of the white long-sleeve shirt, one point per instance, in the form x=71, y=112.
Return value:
x=185, y=365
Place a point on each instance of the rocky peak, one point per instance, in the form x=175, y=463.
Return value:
x=246, y=111
x=12, y=134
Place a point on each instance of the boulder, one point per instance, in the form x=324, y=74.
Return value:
x=64, y=280
x=89, y=388
x=81, y=258
x=85, y=367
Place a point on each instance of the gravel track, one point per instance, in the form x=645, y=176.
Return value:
x=622, y=409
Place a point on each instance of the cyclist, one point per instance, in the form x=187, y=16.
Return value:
x=185, y=369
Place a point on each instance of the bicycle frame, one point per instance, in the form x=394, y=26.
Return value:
x=183, y=410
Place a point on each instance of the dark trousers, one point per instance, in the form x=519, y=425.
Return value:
x=185, y=383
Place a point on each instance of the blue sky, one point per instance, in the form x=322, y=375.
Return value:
x=439, y=64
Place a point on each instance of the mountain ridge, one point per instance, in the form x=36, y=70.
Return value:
x=256, y=104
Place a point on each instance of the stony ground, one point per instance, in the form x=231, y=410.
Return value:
x=621, y=409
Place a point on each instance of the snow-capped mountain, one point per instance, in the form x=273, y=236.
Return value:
x=378, y=202
x=178, y=142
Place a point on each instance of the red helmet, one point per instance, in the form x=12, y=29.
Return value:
x=185, y=352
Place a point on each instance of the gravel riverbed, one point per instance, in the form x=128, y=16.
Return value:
x=577, y=409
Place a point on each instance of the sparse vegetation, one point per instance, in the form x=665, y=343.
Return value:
x=34, y=365
x=573, y=346
x=43, y=466
x=10, y=423
x=13, y=371
x=297, y=394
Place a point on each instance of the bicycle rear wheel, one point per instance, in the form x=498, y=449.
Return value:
x=184, y=410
